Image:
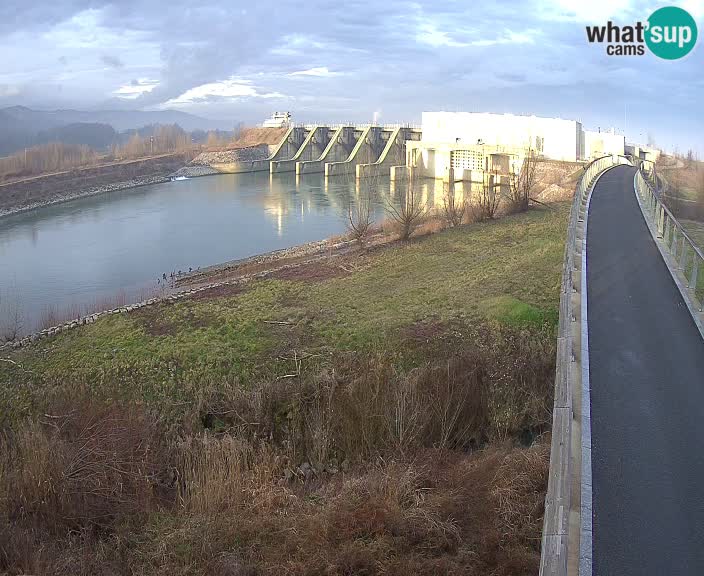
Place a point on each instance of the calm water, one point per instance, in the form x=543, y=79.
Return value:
x=78, y=256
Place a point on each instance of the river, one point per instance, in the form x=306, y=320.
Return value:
x=59, y=261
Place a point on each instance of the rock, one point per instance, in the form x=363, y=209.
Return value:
x=248, y=154
x=194, y=171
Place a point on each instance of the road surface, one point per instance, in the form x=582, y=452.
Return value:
x=646, y=361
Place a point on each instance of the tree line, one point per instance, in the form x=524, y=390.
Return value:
x=149, y=141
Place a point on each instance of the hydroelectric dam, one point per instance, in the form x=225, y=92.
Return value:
x=333, y=150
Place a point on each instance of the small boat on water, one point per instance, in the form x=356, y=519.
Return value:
x=177, y=178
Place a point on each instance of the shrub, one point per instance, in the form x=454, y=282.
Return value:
x=411, y=209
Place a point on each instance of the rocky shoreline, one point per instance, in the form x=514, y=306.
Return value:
x=195, y=172
x=86, y=192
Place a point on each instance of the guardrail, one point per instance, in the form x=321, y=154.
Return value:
x=686, y=258
x=360, y=126
x=562, y=525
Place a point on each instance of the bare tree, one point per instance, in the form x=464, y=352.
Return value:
x=488, y=200
x=411, y=209
x=521, y=185
x=453, y=209
x=10, y=319
x=360, y=216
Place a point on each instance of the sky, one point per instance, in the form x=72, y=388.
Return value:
x=352, y=60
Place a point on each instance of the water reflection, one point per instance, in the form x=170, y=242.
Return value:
x=92, y=249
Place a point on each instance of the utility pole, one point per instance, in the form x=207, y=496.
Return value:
x=151, y=141
x=25, y=158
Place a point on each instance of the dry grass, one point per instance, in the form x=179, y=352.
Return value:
x=357, y=469
x=53, y=316
x=379, y=434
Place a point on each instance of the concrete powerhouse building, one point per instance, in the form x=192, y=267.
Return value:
x=475, y=141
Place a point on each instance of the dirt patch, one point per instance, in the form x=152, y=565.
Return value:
x=555, y=181
x=258, y=136
x=224, y=291
x=154, y=321
x=555, y=193
x=425, y=330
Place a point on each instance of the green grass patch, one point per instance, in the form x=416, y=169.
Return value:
x=510, y=311
x=506, y=271
x=695, y=230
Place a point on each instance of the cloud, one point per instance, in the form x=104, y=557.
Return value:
x=319, y=72
x=228, y=61
x=429, y=34
x=136, y=88
x=112, y=61
x=8, y=90
x=296, y=45
x=593, y=11
x=231, y=90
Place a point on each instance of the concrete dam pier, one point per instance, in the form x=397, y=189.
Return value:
x=365, y=150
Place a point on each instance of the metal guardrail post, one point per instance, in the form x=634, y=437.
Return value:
x=695, y=271
x=683, y=252
x=675, y=245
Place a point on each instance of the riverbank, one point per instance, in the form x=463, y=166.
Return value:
x=35, y=192
x=84, y=193
x=211, y=278
x=368, y=412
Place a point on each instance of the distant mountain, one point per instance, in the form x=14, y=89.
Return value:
x=21, y=126
x=97, y=136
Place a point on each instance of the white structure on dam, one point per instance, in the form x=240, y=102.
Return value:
x=278, y=120
x=460, y=143
x=552, y=137
x=600, y=143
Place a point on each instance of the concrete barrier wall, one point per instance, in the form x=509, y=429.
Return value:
x=312, y=148
x=339, y=148
x=562, y=547
x=398, y=173
x=366, y=150
x=393, y=154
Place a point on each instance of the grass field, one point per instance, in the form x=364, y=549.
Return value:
x=367, y=414
x=695, y=230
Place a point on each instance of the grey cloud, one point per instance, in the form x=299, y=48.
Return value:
x=112, y=61
x=385, y=65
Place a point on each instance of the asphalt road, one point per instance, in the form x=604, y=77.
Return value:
x=646, y=361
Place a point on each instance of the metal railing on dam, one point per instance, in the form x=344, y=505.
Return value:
x=682, y=255
x=362, y=126
x=570, y=452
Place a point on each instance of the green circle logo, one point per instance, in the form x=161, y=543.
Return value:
x=671, y=33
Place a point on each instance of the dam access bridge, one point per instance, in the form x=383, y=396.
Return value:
x=343, y=149
x=626, y=484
